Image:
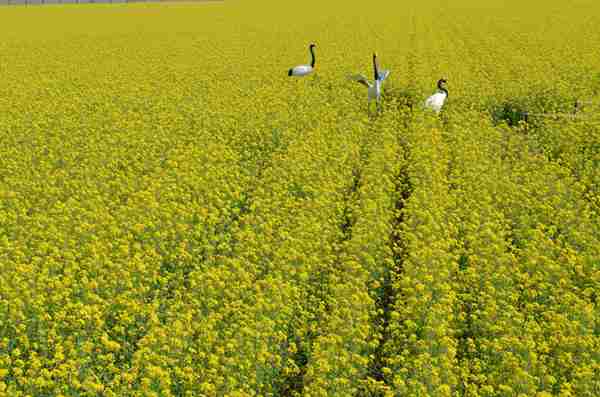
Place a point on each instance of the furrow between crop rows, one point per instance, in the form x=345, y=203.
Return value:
x=487, y=313
x=421, y=349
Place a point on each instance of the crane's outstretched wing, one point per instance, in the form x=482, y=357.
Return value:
x=383, y=75
x=361, y=79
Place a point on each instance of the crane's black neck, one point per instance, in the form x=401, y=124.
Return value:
x=375, y=69
x=441, y=88
x=312, y=55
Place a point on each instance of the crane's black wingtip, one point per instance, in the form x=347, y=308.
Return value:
x=290, y=72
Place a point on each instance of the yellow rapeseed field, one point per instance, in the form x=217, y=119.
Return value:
x=178, y=217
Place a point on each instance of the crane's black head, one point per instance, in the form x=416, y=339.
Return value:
x=374, y=55
x=442, y=85
x=312, y=45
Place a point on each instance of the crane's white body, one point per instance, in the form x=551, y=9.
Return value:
x=374, y=90
x=301, y=70
x=436, y=101
x=304, y=70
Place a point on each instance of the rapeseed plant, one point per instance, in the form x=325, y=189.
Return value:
x=179, y=218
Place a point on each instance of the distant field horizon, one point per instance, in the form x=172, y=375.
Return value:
x=44, y=2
